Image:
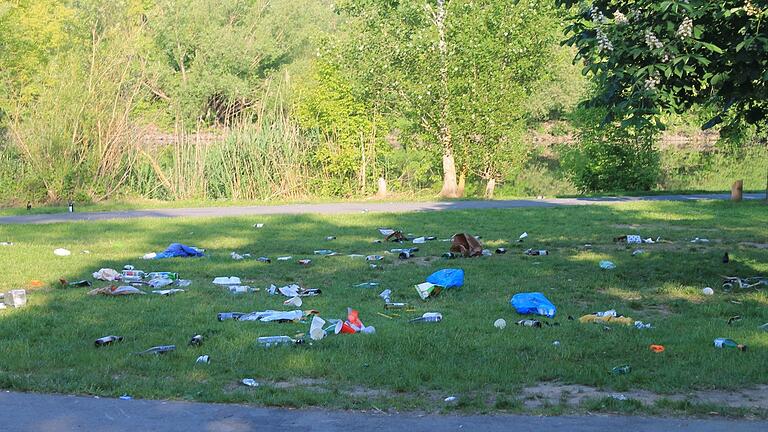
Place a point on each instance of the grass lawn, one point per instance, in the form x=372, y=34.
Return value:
x=48, y=346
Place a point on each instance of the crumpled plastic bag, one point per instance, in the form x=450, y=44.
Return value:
x=116, y=291
x=534, y=303
x=273, y=315
x=447, y=278
x=178, y=250
x=106, y=274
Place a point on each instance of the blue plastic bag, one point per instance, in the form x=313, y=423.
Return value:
x=179, y=250
x=447, y=278
x=533, y=304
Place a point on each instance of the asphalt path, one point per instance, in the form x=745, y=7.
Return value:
x=352, y=207
x=24, y=412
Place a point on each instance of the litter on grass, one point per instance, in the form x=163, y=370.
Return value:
x=534, y=303
x=116, y=290
x=607, y=265
x=607, y=317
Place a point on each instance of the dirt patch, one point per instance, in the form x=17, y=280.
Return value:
x=754, y=245
x=422, y=261
x=652, y=228
x=546, y=394
x=298, y=382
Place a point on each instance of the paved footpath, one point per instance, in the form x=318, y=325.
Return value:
x=354, y=207
x=24, y=412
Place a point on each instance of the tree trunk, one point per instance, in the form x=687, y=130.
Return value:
x=462, y=182
x=450, y=188
x=489, y=188
x=449, y=177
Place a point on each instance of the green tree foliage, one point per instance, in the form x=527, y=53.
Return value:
x=652, y=57
x=455, y=73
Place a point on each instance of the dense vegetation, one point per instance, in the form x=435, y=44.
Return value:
x=286, y=99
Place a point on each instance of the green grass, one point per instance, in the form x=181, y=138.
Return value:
x=48, y=346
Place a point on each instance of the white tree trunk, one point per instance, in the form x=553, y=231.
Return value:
x=450, y=188
x=490, y=187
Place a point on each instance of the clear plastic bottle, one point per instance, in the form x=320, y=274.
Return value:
x=107, y=340
x=222, y=316
x=729, y=343
x=272, y=341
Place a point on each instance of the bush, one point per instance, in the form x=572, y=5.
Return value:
x=611, y=157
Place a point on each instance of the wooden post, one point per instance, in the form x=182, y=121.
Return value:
x=737, y=190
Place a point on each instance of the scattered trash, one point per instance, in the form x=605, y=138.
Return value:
x=126, y=397
x=35, y=283
x=529, y=323
x=450, y=399
x=78, y=284
x=389, y=305
x=132, y=275
x=107, y=340
x=637, y=252
x=607, y=265
x=6, y=243
x=374, y=258
x=536, y=252
x=428, y=317
x=326, y=252
x=447, y=278
x=641, y=325
x=107, y=274
x=733, y=319
x=236, y=256
x=226, y=280
x=159, y=282
x=167, y=292
x=223, y=316
x=744, y=283
x=284, y=258
x=708, y=291
x=294, y=302
x=271, y=316
x=330, y=238
x=533, y=303
x=367, y=285
x=250, y=382
x=203, y=359
x=353, y=324
x=196, y=340
x=728, y=343
x=264, y=260
x=116, y=290
x=621, y=370
x=294, y=290
x=556, y=343
x=420, y=240
x=178, y=250
x=452, y=255
x=316, y=331
x=162, y=349
x=501, y=251
x=657, y=348
x=619, y=397
x=764, y=327
x=304, y=261
x=241, y=289
x=500, y=323
x=426, y=290
x=607, y=317
x=700, y=240
x=62, y=252
x=273, y=341
x=466, y=245
x=386, y=295
x=522, y=237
